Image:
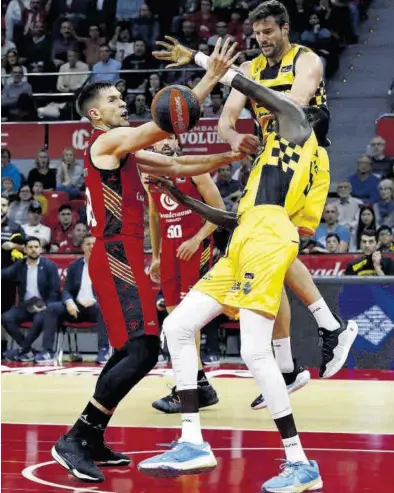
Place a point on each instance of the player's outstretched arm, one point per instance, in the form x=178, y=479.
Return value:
x=158, y=164
x=222, y=218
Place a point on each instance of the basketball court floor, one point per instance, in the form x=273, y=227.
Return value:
x=346, y=424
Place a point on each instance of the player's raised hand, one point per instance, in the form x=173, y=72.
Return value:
x=174, y=52
x=222, y=58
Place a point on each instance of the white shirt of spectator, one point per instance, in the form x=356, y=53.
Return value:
x=71, y=83
x=349, y=211
x=32, y=282
x=86, y=290
x=40, y=231
x=100, y=4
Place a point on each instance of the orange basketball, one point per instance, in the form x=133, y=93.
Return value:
x=175, y=109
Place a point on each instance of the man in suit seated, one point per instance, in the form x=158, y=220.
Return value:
x=38, y=285
x=78, y=305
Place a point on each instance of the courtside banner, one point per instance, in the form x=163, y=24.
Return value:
x=25, y=139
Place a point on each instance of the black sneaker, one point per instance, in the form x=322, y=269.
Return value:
x=105, y=456
x=294, y=381
x=171, y=404
x=336, y=345
x=74, y=454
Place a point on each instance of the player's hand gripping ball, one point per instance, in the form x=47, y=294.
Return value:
x=175, y=109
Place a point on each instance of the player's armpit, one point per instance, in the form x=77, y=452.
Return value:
x=308, y=74
x=120, y=141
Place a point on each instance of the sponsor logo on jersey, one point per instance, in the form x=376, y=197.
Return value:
x=249, y=275
x=286, y=68
x=180, y=180
x=140, y=197
x=247, y=288
x=167, y=202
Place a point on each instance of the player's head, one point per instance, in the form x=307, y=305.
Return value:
x=384, y=234
x=103, y=105
x=332, y=242
x=169, y=146
x=270, y=22
x=368, y=243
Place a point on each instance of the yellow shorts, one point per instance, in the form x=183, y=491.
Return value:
x=308, y=219
x=251, y=275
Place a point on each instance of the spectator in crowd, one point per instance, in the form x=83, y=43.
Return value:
x=234, y=27
x=228, y=187
x=247, y=41
x=73, y=244
x=63, y=43
x=364, y=183
x=385, y=239
x=36, y=12
x=67, y=81
x=126, y=10
x=78, y=304
x=6, y=44
x=333, y=243
x=38, y=47
x=74, y=10
x=7, y=189
x=146, y=26
x=188, y=35
x=381, y=164
x=38, y=283
x=34, y=227
x=121, y=43
x=38, y=190
x=9, y=170
x=107, y=68
x=221, y=32
x=348, y=206
x=12, y=60
x=367, y=220
x=139, y=60
x=91, y=46
x=62, y=232
x=18, y=210
x=331, y=225
x=371, y=263
x=121, y=87
x=214, y=110
x=11, y=95
x=69, y=176
x=384, y=209
x=42, y=172
x=12, y=249
x=205, y=19
x=141, y=111
x=102, y=12
x=155, y=84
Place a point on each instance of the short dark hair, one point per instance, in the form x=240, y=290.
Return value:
x=369, y=232
x=81, y=222
x=32, y=238
x=384, y=227
x=4, y=149
x=65, y=207
x=333, y=235
x=270, y=8
x=89, y=235
x=88, y=93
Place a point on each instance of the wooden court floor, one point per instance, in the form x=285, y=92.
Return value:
x=353, y=406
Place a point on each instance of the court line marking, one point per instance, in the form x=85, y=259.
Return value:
x=28, y=472
x=220, y=428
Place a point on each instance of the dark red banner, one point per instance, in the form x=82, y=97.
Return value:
x=385, y=128
x=25, y=139
x=318, y=265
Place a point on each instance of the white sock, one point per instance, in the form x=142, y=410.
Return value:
x=293, y=450
x=191, y=428
x=323, y=316
x=283, y=356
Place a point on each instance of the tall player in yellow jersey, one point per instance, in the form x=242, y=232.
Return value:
x=250, y=279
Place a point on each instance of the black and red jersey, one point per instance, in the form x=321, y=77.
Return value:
x=114, y=198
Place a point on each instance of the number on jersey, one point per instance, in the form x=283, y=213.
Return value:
x=174, y=231
x=89, y=209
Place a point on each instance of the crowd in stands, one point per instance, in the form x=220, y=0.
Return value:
x=80, y=40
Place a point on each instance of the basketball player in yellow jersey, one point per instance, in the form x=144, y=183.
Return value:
x=250, y=279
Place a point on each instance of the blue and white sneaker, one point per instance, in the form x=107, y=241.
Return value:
x=296, y=477
x=103, y=356
x=184, y=458
x=294, y=381
x=44, y=358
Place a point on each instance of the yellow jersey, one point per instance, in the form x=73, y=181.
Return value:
x=280, y=77
x=282, y=175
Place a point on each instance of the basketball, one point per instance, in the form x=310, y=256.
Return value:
x=175, y=109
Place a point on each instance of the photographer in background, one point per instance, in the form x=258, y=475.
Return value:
x=371, y=263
